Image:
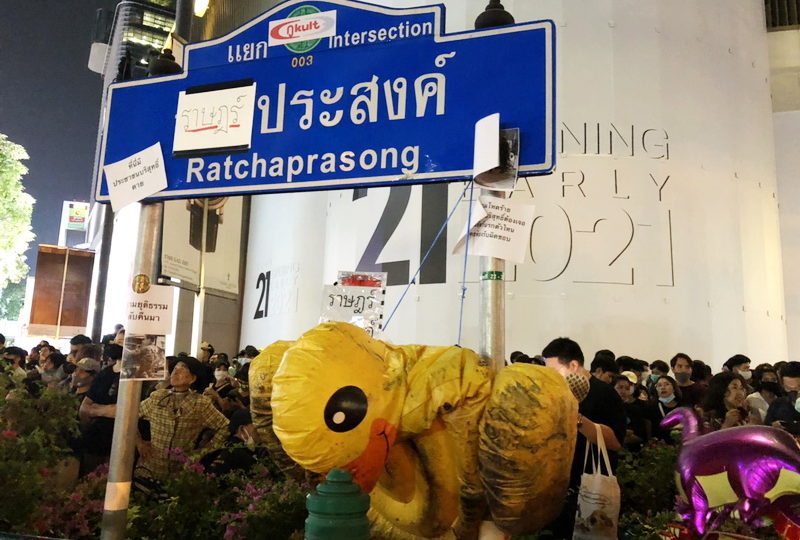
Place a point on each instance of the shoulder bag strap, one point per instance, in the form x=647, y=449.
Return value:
x=601, y=446
x=586, y=459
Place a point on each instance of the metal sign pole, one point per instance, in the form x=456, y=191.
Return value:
x=145, y=272
x=492, y=307
x=120, y=471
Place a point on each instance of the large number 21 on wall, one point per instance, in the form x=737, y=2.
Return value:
x=434, y=214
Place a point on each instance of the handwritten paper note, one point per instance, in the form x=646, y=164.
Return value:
x=150, y=312
x=213, y=120
x=137, y=177
x=499, y=228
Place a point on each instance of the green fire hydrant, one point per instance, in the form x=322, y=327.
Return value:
x=337, y=510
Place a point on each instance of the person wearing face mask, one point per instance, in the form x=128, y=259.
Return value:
x=668, y=397
x=239, y=452
x=784, y=412
x=658, y=369
x=725, y=403
x=223, y=381
x=765, y=382
x=53, y=373
x=691, y=393
x=602, y=406
x=739, y=364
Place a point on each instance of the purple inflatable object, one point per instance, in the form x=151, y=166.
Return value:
x=744, y=468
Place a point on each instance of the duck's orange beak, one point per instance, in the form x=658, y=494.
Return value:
x=368, y=467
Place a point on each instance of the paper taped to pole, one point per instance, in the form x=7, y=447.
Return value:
x=500, y=228
x=149, y=321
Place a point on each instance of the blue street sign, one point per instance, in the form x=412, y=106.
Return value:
x=335, y=94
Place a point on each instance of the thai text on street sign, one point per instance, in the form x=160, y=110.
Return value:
x=336, y=94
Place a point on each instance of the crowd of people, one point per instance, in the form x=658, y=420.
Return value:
x=628, y=398
x=202, y=405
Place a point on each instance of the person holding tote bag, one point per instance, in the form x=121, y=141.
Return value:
x=599, y=498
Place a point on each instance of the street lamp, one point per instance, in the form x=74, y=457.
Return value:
x=494, y=15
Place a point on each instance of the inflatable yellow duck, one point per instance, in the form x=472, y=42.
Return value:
x=438, y=440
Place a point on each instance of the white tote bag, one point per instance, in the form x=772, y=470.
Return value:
x=598, y=499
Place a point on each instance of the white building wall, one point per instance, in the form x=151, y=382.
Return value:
x=670, y=243
x=787, y=149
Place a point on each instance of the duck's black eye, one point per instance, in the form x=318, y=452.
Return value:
x=346, y=408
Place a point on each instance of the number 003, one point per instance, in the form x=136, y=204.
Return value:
x=302, y=61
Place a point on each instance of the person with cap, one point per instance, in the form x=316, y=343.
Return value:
x=85, y=372
x=175, y=419
x=635, y=410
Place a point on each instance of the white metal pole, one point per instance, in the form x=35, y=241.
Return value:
x=120, y=471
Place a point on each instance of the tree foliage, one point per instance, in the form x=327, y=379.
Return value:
x=12, y=298
x=15, y=213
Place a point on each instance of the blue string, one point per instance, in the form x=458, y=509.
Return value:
x=466, y=254
x=425, y=258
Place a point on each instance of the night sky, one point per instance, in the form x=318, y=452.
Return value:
x=50, y=101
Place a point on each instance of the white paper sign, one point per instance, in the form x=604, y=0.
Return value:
x=214, y=119
x=150, y=312
x=359, y=306
x=487, y=144
x=500, y=228
x=136, y=177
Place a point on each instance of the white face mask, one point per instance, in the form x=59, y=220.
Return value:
x=244, y=361
x=220, y=375
x=746, y=374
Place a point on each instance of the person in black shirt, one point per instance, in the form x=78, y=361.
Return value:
x=601, y=406
x=635, y=411
x=782, y=412
x=668, y=398
x=98, y=410
x=691, y=393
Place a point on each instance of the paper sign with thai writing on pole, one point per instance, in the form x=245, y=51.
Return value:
x=498, y=228
x=150, y=312
x=136, y=177
x=344, y=94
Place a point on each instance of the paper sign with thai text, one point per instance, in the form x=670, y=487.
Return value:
x=150, y=312
x=359, y=306
x=498, y=228
x=136, y=177
x=214, y=119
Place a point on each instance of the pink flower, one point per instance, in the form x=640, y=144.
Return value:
x=9, y=434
